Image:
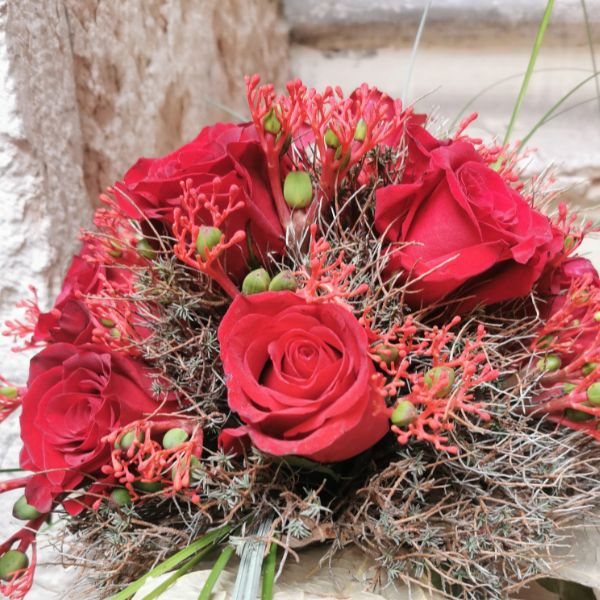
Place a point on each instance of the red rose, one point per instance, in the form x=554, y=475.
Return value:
x=76, y=395
x=569, y=270
x=227, y=151
x=457, y=224
x=300, y=378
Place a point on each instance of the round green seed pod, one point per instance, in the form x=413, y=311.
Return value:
x=208, y=238
x=128, y=438
x=593, y=394
x=568, y=387
x=597, y=316
x=144, y=248
x=11, y=562
x=108, y=323
x=432, y=377
x=545, y=341
x=174, y=437
x=578, y=416
x=589, y=368
x=148, y=486
x=271, y=123
x=194, y=464
x=404, y=413
x=361, y=131
x=284, y=280
x=255, y=282
x=23, y=511
x=9, y=392
x=331, y=139
x=120, y=497
x=549, y=363
x=297, y=189
x=388, y=354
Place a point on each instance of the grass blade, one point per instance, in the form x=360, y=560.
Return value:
x=173, y=561
x=590, y=40
x=413, y=52
x=269, y=573
x=530, y=67
x=215, y=573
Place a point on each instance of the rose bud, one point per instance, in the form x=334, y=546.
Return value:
x=144, y=248
x=174, y=437
x=23, y=511
x=148, y=486
x=283, y=281
x=208, y=238
x=388, y=354
x=331, y=139
x=255, y=282
x=120, y=497
x=589, y=368
x=11, y=562
x=432, y=377
x=271, y=122
x=404, y=413
x=297, y=189
x=578, y=416
x=593, y=393
x=9, y=392
x=549, y=363
x=361, y=131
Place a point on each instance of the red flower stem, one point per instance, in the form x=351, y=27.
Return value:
x=283, y=210
x=13, y=484
x=560, y=404
x=217, y=273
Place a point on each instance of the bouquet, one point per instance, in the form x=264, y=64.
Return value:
x=335, y=325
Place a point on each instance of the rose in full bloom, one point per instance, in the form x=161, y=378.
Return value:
x=457, y=224
x=152, y=187
x=76, y=395
x=300, y=378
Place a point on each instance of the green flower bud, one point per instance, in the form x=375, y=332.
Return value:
x=255, y=282
x=23, y=511
x=568, y=242
x=271, y=122
x=578, y=416
x=174, y=437
x=361, y=131
x=545, y=341
x=589, y=368
x=388, y=354
x=404, y=413
x=432, y=377
x=128, y=438
x=107, y=323
x=593, y=393
x=9, y=392
x=115, y=333
x=148, y=486
x=331, y=139
x=283, y=281
x=117, y=250
x=120, y=497
x=575, y=322
x=297, y=189
x=194, y=465
x=549, y=363
x=597, y=316
x=208, y=238
x=144, y=248
x=568, y=387
x=11, y=562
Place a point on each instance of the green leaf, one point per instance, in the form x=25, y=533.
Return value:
x=269, y=573
x=173, y=561
x=590, y=40
x=215, y=573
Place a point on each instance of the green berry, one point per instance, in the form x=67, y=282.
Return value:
x=568, y=242
x=194, y=465
x=388, y=354
x=589, y=368
x=128, y=438
x=361, y=131
x=404, y=413
x=597, y=316
x=11, y=562
x=23, y=511
x=545, y=341
x=255, y=282
x=578, y=416
x=174, y=437
x=331, y=139
x=208, y=238
x=9, y=392
x=297, y=189
x=593, y=393
x=145, y=249
x=433, y=376
x=120, y=497
x=108, y=323
x=115, y=333
x=549, y=363
x=568, y=387
x=283, y=281
x=148, y=486
x=271, y=123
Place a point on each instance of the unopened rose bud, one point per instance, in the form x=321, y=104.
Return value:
x=593, y=393
x=208, y=238
x=120, y=497
x=174, y=437
x=388, y=354
x=271, y=123
x=568, y=387
x=549, y=363
x=108, y=323
x=331, y=139
x=9, y=392
x=361, y=131
x=578, y=416
x=589, y=368
x=23, y=511
x=255, y=282
x=297, y=189
x=283, y=281
x=148, y=486
x=433, y=376
x=11, y=562
x=144, y=248
x=404, y=413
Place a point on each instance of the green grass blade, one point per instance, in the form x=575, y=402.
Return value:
x=413, y=52
x=215, y=573
x=173, y=561
x=554, y=108
x=590, y=40
x=167, y=583
x=269, y=573
x=530, y=67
